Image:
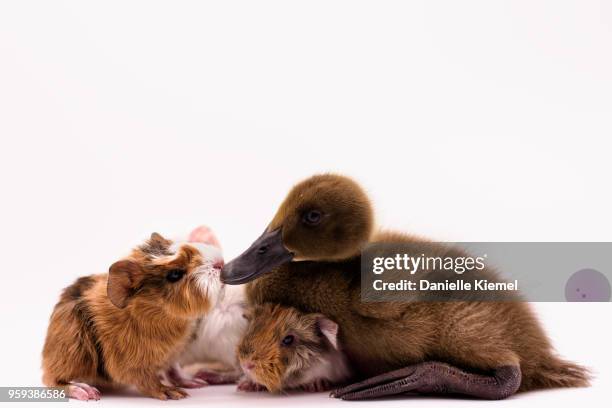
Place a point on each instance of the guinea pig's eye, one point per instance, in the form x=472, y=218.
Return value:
x=175, y=275
x=288, y=340
x=312, y=217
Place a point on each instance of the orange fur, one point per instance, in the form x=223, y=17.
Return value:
x=281, y=367
x=90, y=339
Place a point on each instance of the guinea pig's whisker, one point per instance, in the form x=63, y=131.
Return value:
x=207, y=280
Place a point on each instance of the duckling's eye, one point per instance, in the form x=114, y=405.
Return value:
x=288, y=340
x=175, y=275
x=312, y=217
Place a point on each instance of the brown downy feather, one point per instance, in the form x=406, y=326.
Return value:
x=382, y=336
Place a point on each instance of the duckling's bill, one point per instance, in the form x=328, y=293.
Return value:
x=265, y=254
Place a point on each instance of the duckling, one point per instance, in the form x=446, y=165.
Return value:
x=309, y=258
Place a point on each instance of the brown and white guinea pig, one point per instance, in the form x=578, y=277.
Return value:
x=129, y=325
x=285, y=349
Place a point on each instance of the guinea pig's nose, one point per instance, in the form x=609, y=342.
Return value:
x=218, y=264
x=247, y=365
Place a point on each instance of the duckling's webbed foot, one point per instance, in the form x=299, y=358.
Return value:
x=435, y=378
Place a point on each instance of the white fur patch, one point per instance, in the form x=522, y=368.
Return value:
x=209, y=253
x=220, y=331
x=331, y=366
x=207, y=277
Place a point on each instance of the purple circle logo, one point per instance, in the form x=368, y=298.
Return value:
x=587, y=285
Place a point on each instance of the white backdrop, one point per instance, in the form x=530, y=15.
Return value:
x=471, y=120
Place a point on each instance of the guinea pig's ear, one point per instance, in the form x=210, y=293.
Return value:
x=204, y=235
x=329, y=329
x=123, y=277
x=157, y=241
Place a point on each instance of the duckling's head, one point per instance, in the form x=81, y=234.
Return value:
x=326, y=217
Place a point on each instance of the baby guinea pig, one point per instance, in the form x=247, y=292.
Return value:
x=284, y=349
x=127, y=326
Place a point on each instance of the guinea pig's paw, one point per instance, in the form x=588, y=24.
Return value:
x=176, y=393
x=166, y=393
x=204, y=235
x=192, y=383
x=179, y=379
x=215, y=378
x=82, y=392
x=247, y=385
